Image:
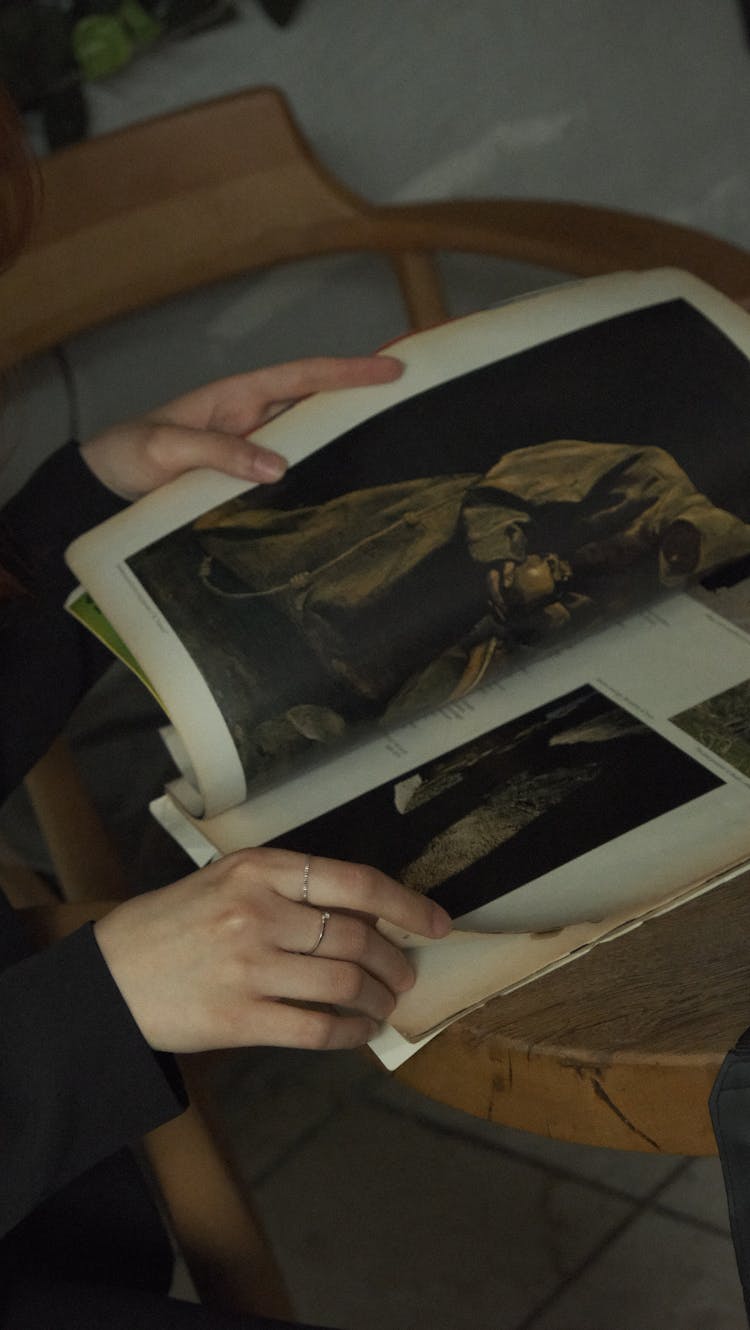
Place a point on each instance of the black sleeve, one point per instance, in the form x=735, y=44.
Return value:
x=77, y=1079
x=47, y=660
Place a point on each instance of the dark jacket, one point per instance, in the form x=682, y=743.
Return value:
x=78, y=1082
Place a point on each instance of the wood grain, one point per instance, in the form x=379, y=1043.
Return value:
x=620, y=1047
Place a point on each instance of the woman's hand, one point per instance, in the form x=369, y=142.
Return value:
x=223, y=958
x=210, y=427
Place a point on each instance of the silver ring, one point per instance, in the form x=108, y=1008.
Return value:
x=324, y=917
x=306, y=879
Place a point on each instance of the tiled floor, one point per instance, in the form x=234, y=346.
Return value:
x=387, y=1211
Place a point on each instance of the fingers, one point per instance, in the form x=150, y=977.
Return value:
x=345, y=938
x=173, y=449
x=210, y=427
x=299, y=939
x=134, y=459
x=334, y=885
x=341, y=984
x=336, y=1002
x=243, y=402
x=316, y=955
x=284, y=1025
x=300, y=378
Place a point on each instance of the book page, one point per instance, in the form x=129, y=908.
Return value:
x=552, y=809
x=538, y=470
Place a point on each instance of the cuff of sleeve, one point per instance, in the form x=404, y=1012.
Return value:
x=78, y=1079
x=157, y=1082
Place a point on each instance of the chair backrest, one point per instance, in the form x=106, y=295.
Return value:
x=230, y=186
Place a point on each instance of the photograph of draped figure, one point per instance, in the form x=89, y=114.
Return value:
x=442, y=541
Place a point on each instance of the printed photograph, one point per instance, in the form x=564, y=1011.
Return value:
x=526, y=798
x=447, y=538
x=722, y=724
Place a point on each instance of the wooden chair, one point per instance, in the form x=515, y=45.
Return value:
x=231, y=187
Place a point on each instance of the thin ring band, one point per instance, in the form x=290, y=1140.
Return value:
x=324, y=917
x=306, y=879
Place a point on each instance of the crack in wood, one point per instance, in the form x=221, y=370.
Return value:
x=601, y=1093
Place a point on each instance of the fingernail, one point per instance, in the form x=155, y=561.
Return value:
x=408, y=981
x=269, y=466
x=441, y=921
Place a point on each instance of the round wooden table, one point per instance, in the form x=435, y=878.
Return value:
x=619, y=1048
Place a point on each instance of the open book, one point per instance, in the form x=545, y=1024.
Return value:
x=476, y=636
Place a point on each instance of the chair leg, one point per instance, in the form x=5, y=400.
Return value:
x=223, y=1243
x=85, y=862
x=23, y=887
x=420, y=285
